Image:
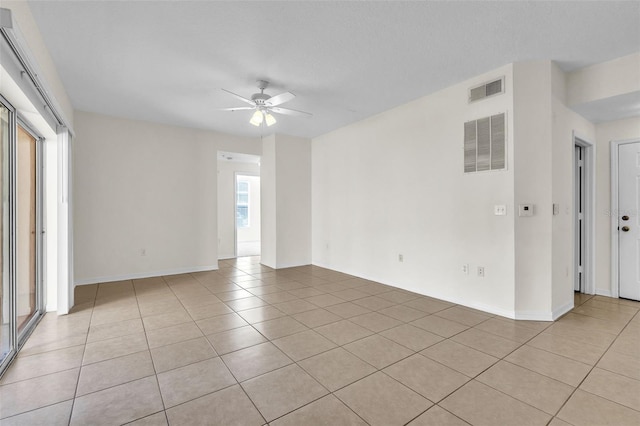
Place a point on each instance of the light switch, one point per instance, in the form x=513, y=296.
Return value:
x=556, y=208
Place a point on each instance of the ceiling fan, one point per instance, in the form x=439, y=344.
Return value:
x=264, y=105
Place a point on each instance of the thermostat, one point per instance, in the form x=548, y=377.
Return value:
x=525, y=210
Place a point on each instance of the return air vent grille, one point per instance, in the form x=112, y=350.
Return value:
x=484, y=144
x=486, y=90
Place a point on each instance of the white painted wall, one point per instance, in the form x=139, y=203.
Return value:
x=394, y=184
x=226, y=206
x=293, y=198
x=268, y=206
x=286, y=201
x=605, y=133
x=605, y=80
x=565, y=123
x=544, y=129
x=533, y=183
x=141, y=185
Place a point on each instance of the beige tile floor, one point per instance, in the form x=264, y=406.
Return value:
x=247, y=345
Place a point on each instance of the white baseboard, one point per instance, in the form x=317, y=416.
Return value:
x=489, y=309
x=149, y=274
x=287, y=265
x=603, y=292
x=560, y=311
x=532, y=316
x=544, y=315
x=517, y=315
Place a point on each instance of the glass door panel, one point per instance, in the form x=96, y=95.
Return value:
x=26, y=227
x=6, y=314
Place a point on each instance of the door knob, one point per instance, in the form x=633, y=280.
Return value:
x=625, y=228
x=625, y=217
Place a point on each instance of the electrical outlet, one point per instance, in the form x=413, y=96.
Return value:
x=400, y=258
x=481, y=271
x=465, y=269
x=500, y=210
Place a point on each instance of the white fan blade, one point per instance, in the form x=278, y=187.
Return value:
x=236, y=108
x=279, y=99
x=249, y=101
x=288, y=111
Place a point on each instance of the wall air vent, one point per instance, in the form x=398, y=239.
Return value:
x=484, y=144
x=486, y=90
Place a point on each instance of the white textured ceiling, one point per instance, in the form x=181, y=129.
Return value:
x=166, y=61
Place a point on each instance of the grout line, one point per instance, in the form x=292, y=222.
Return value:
x=164, y=407
x=75, y=392
x=306, y=279
x=592, y=368
x=3, y=419
x=238, y=383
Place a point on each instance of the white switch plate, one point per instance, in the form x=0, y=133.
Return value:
x=500, y=210
x=525, y=210
x=556, y=208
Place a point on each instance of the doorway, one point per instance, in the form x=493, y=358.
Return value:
x=239, y=212
x=626, y=217
x=583, y=208
x=248, y=219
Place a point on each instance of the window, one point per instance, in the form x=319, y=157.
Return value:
x=242, y=204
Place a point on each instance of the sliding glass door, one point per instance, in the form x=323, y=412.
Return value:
x=26, y=228
x=21, y=299
x=6, y=298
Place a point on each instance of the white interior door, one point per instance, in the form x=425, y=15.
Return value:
x=629, y=220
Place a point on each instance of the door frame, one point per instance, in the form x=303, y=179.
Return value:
x=613, y=215
x=589, y=167
x=10, y=267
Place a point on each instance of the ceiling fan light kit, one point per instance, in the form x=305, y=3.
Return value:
x=261, y=116
x=256, y=118
x=264, y=105
x=269, y=119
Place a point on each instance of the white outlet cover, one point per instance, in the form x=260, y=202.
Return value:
x=500, y=210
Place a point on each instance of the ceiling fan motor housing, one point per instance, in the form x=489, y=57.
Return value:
x=260, y=98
